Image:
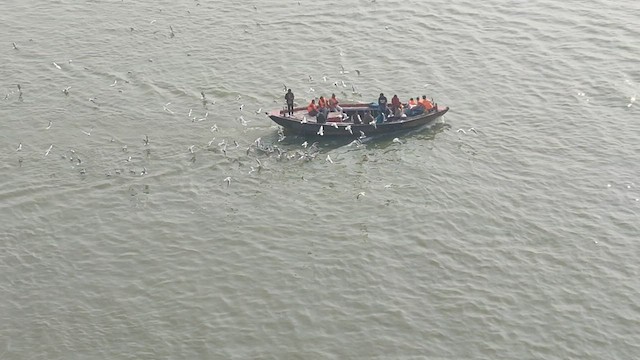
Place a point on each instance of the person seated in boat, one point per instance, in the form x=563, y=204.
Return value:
x=412, y=103
x=323, y=106
x=333, y=104
x=322, y=103
x=416, y=110
x=367, y=117
x=395, y=104
x=321, y=118
x=398, y=112
x=355, y=118
x=312, y=108
x=426, y=103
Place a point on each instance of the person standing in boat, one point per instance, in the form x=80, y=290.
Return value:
x=382, y=104
x=395, y=104
x=289, y=98
x=333, y=104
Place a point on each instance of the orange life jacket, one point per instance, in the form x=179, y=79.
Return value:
x=312, y=107
x=322, y=103
x=427, y=104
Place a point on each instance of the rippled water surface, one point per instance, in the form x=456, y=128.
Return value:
x=518, y=240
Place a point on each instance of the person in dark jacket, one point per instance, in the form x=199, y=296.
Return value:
x=289, y=98
x=382, y=104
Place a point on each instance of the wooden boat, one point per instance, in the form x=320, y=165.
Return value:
x=341, y=124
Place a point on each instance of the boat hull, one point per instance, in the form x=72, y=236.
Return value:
x=293, y=125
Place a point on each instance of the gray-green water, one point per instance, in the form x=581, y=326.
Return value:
x=519, y=241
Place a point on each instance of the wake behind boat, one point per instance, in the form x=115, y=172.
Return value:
x=352, y=120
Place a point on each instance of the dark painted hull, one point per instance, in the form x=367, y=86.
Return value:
x=295, y=126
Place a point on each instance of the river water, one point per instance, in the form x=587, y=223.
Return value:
x=515, y=240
